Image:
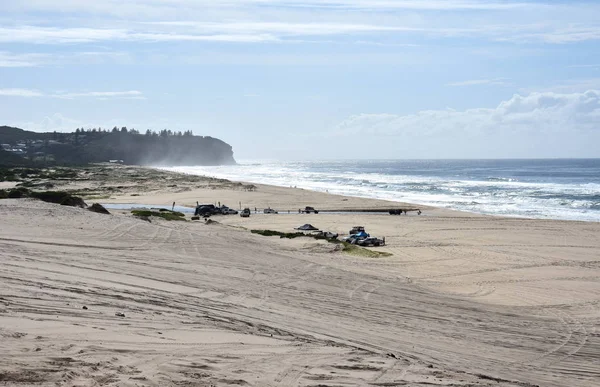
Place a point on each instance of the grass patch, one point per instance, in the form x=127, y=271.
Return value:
x=167, y=215
x=32, y=184
x=288, y=235
x=97, y=197
x=362, y=252
x=172, y=212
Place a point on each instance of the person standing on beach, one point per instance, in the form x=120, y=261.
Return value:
x=173, y=208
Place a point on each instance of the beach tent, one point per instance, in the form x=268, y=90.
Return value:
x=307, y=227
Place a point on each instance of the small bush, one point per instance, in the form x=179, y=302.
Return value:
x=165, y=215
x=99, y=208
x=289, y=235
x=172, y=212
x=362, y=252
x=73, y=201
x=51, y=196
x=17, y=193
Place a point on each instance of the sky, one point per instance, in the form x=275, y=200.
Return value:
x=308, y=79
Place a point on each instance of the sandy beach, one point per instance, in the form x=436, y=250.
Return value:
x=88, y=299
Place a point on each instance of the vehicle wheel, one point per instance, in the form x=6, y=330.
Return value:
x=376, y=244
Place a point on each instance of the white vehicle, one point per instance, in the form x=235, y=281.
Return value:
x=269, y=211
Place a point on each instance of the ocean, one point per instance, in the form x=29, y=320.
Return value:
x=550, y=189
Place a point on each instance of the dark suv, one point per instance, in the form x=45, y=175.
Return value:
x=308, y=210
x=206, y=210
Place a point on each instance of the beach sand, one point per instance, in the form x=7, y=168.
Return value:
x=463, y=299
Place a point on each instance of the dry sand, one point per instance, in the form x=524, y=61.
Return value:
x=464, y=300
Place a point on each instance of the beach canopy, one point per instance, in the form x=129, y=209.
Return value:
x=307, y=227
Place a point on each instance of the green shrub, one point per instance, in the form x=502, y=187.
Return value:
x=289, y=235
x=172, y=212
x=57, y=197
x=165, y=215
x=362, y=252
x=19, y=192
x=99, y=208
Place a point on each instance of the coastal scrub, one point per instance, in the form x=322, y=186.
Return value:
x=165, y=214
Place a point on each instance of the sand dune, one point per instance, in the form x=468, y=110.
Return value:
x=464, y=300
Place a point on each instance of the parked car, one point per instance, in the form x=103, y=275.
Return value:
x=245, y=213
x=354, y=238
x=356, y=230
x=327, y=234
x=308, y=210
x=269, y=211
x=227, y=211
x=370, y=241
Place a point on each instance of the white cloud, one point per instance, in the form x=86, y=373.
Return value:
x=555, y=35
x=8, y=59
x=174, y=7
x=20, y=93
x=435, y=5
x=101, y=94
x=255, y=21
x=280, y=28
x=56, y=35
x=566, y=86
x=538, y=113
x=56, y=122
x=246, y=32
x=476, y=82
x=131, y=94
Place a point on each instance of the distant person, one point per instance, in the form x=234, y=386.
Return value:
x=173, y=207
x=418, y=212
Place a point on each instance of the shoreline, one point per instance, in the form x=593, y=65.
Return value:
x=486, y=196
x=375, y=202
